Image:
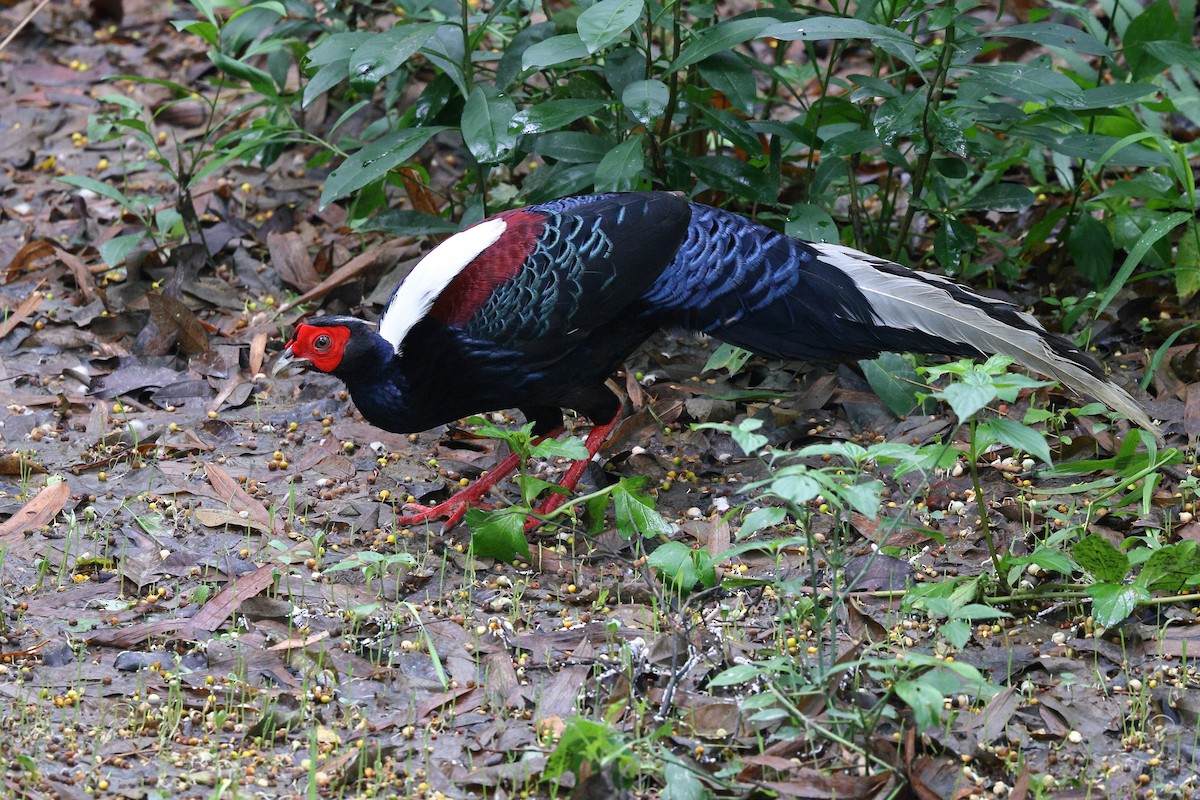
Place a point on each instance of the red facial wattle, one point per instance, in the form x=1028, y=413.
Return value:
x=322, y=346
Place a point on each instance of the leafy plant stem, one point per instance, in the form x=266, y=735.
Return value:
x=984, y=526
x=936, y=88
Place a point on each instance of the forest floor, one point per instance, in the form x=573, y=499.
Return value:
x=179, y=616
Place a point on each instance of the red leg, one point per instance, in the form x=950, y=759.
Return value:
x=595, y=441
x=455, y=508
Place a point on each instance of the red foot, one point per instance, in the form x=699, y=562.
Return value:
x=594, y=442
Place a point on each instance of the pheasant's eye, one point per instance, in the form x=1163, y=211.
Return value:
x=322, y=343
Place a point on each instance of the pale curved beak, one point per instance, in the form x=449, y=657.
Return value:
x=286, y=361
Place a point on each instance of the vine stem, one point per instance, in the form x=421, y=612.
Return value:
x=984, y=525
x=935, y=97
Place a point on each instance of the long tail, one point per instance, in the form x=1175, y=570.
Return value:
x=755, y=288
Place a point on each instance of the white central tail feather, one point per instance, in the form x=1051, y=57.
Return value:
x=911, y=303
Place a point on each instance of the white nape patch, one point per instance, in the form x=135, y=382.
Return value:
x=417, y=292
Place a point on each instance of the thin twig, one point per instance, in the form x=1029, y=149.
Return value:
x=21, y=25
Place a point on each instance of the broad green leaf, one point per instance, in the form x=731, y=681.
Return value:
x=864, y=497
x=338, y=47
x=957, y=632
x=554, y=51
x=1168, y=568
x=486, y=125
x=811, y=223
x=558, y=180
x=739, y=178
x=498, y=534
x=259, y=80
x=675, y=565
x=383, y=53
x=1027, y=82
x=681, y=783
x=1097, y=555
x=99, y=187
x=895, y=380
x=1054, y=34
x=815, y=29
x=621, y=167
x=646, y=100
x=798, y=489
x=1137, y=253
x=925, y=701
x=606, y=22
x=406, y=222
x=510, y=63
x=736, y=675
x=718, y=38
x=1108, y=150
x=728, y=357
x=1002, y=197
x=1115, y=95
x=374, y=161
x=572, y=146
x=760, y=518
x=1022, y=437
x=1187, y=263
x=969, y=395
x=114, y=251
x=1113, y=602
x=732, y=77
x=1091, y=248
x=552, y=115
x=327, y=76
x=567, y=447
x=635, y=512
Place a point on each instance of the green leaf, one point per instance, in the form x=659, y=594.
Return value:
x=1097, y=555
x=337, y=47
x=259, y=80
x=634, y=510
x=606, y=22
x=553, y=51
x=1168, y=568
x=815, y=29
x=1187, y=262
x=811, y=223
x=970, y=395
x=646, y=100
x=739, y=178
x=1022, y=437
x=568, y=447
x=1054, y=34
x=718, y=38
x=1007, y=197
x=760, y=518
x=896, y=381
x=383, y=53
x=675, y=565
x=114, y=251
x=1027, y=82
x=498, y=534
x=1113, y=602
x=552, y=115
x=486, y=125
x=864, y=497
x=729, y=357
x=1091, y=248
x=572, y=147
x=957, y=632
x=925, y=701
x=736, y=675
x=99, y=187
x=680, y=783
x=375, y=160
x=797, y=489
x=1155, y=232
x=621, y=167
x=406, y=222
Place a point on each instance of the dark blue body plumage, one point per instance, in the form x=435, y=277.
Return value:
x=535, y=309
